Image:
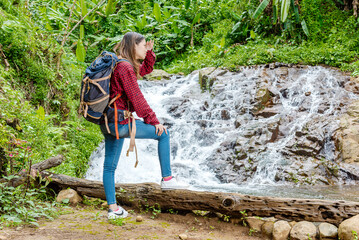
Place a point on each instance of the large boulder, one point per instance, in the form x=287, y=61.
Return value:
x=328, y=231
x=303, y=231
x=157, y=74
x=281, y=230
x=349, y=228
x=347, y=137
x=69, y=194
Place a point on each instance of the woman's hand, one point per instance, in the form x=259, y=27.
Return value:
x=160, y=128
x=149, y=45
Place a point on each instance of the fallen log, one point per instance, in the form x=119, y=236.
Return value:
x=232, y=204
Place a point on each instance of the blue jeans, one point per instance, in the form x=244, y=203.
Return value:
x=113, y=149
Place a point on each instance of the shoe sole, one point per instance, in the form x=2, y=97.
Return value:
x=115, y=216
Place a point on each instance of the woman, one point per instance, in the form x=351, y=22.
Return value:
x=133, y=48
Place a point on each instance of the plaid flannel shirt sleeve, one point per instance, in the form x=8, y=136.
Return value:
x=147, y=64
x=134, y=94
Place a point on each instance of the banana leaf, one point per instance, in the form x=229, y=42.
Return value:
x=110, y=7
x=187, y=4
x=82, y=32
x=285, y=10
x=157, y=12
x=305, y=28
x=296, y=12
x=196, y=19
x=275, y=11
x=260, y=8
x=83, y=7
x=80, y=51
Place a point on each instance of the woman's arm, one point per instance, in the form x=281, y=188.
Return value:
x=147, y=64
x=134, y=94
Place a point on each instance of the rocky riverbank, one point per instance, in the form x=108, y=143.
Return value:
x=291, y=123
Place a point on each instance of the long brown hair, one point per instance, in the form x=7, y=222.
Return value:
x=126, y=49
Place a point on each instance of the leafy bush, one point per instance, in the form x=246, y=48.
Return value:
x=23, y=206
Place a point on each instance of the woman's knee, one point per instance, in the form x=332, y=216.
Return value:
x=164, y=135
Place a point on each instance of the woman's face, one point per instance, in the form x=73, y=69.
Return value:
x=141, y=50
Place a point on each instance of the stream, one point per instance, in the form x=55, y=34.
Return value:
x=259, y=131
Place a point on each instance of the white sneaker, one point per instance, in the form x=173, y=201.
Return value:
x=173, y=184
x=119, y=213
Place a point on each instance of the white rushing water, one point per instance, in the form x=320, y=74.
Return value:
x=192, y=144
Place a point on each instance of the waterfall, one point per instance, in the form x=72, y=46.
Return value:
x=229, y=138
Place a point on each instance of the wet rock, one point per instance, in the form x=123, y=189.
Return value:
x=303, y=231
x=203, y=77
x=284, y=92
x=70, y=194
x=282, y=71
x=328, y=231
x=177, y=106
x=281, y=230
x=203, y=123
x=217, y=89
x=237, y=122
x=255, y=223
x=352, y=85
x=225, y=114
x=240, y=153
x=157, y=74
x=267, y=112
x=347, y=227
x=263, y=95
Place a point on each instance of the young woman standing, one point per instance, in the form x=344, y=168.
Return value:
x=133, y=48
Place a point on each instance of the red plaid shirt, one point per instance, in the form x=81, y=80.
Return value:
x=124, y=82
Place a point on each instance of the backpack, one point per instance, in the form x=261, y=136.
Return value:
x=95, y=87
x=95, y=96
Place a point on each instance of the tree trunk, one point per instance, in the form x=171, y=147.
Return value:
x=355, y=7
x=231, y=204
x=346, y=5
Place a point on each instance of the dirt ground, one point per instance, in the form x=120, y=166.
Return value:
x=87, y=223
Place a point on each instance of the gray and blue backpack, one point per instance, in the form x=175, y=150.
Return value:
x=95, y=88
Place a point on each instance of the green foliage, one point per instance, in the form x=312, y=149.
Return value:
x=355, y=235
x=110, y=7
x=45, y=102
x=118, y=221
x=261, y=8
x=23, y=206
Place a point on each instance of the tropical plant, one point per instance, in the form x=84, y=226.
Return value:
x=284, y=7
